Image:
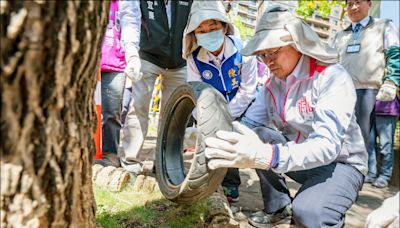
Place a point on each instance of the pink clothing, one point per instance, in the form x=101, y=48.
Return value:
x=260, y=69
x=112, y=53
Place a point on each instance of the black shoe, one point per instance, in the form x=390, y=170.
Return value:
x=261, y=219
x=109, y=159
x=369, y=179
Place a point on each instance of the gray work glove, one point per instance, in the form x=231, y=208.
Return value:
x=241, y=149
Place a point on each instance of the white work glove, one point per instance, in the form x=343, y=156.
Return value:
x=385, y=215
x=132, y=70
x=241, y=149
x=387, y=92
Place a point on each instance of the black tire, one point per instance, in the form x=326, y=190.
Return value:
x=212, y=115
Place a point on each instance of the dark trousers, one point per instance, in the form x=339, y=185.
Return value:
x=365, y=106
x=112, y=89
x=384, y=128
x=232, y=178
x=326, y=193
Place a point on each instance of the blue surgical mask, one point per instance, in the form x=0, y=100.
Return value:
x=211, y=41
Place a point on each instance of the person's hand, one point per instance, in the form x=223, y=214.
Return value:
x=132, y=70
x=241, y=149
x=387, y=92
x=190, y=138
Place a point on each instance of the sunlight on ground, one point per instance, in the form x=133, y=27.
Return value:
x=142, y=209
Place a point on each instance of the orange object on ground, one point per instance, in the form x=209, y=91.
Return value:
x=97, y=134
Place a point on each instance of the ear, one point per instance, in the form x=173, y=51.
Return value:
x=369, y=4
x=226, y=29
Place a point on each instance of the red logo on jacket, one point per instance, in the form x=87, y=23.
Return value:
x=304, y=106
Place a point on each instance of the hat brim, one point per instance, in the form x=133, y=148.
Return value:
x=202, y=15
x=267, y=39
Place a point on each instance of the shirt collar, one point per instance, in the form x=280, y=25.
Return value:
x=364, y=22
x=297, y=72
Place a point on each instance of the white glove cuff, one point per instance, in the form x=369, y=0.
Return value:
x=263, y=160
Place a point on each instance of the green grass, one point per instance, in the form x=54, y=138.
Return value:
x=143, y=209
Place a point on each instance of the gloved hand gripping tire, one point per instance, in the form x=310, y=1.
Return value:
x=241, y=149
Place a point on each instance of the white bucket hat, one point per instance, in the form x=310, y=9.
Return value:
x=278, y=27
x=199, y=12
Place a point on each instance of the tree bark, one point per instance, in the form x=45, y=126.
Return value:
x=50, y=54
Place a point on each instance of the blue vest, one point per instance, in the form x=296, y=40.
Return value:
x=226, y=79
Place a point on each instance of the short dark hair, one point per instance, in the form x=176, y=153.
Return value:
x=363, y=0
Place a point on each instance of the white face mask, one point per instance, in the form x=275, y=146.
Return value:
x=211, y=41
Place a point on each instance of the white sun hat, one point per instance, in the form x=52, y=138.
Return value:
x=278, y=27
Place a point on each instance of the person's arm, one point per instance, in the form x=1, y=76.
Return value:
x=391, y=79
x=256, y=115
x=130, y=36
x=130, y=27
x=247, y=89
x=332, y=44
x=333, y=112
x=392, y=54
x=391, y=36
x=193, y=73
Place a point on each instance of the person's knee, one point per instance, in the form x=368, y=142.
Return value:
x=305, y=216
x=315, y=215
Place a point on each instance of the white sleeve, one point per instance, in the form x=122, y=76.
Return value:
x=130, y=27
x=193, y=73
x=333, y=113
x=391, y=35
x=247, y=89
x=257, y=112
x=332, y=44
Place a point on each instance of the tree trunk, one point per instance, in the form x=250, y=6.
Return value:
x=49, y=62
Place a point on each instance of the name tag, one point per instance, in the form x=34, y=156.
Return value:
x=353, y=48
x=183, y=3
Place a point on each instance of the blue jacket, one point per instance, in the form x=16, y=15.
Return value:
x=225, y=79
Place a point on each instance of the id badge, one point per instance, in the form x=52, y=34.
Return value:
x=353, y=48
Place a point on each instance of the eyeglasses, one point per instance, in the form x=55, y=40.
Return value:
x=356, y=3
x=268, y=56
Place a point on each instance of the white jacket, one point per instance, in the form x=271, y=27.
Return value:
x=317, y=117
